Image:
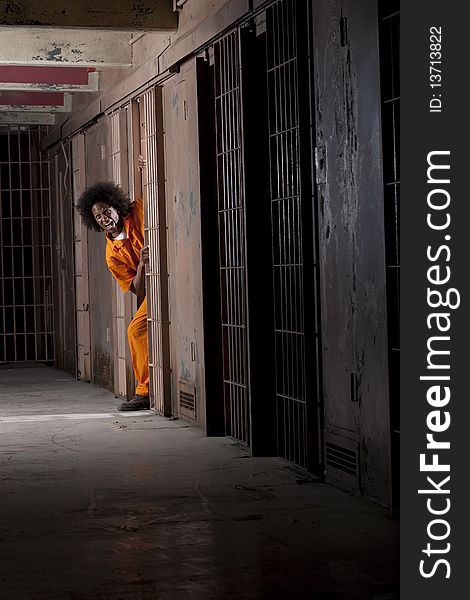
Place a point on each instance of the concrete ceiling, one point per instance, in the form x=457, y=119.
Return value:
x=156, y=15
x=53, y=49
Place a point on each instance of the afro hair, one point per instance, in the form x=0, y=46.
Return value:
x=106, y=192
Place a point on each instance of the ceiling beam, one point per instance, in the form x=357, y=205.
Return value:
x=47, y=98
x=106, y=14
x=28, y=74
x=52, y=47
x=27, y=103
x=25, y=108
x=92, y=86
x=26, y=118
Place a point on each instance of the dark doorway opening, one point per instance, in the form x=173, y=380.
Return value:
x=259, y=236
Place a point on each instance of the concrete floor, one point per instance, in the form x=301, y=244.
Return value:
x=96, y=504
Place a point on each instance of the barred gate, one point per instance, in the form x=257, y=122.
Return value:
x=151, y=123
x=118, y=130
x=26, y=289
x=268, y=203
x=293, y=251
x=232, y=247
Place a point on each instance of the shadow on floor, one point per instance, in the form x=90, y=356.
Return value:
x=97, y=504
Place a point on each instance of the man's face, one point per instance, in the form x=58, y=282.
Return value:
x=107, y=218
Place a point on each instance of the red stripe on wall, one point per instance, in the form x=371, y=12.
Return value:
x=53, y=75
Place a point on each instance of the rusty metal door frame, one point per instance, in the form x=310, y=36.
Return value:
x=82, y=292
x=61, y=248
x=389, y=36
x=153, y=185
x=213, y=376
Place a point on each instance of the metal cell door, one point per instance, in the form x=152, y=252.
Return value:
x=82, y=295
x=26, y=271
x=151, y=123
x=296, y=326
x=118, y=130
x=232, y=235
x=351, y=226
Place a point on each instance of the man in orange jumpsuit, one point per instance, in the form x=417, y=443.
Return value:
x=105, y=207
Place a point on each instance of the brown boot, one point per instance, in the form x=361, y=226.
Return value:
x=137, y=403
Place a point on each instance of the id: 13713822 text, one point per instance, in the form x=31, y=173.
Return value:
x=435, y=69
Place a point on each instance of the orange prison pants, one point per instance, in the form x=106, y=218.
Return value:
x=138, y=343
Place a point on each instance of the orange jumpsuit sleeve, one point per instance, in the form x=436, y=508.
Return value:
x=120, y=268
x=139, y=208
x=124, y=274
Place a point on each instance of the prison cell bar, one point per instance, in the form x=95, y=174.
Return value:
x=26, y=240
x=155, y=230
x=287, y=230
x=232, y=247
x=117, y=122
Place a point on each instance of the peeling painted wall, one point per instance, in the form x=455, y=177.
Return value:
x=352, y=251
x=153, y=53
x=184, y=232
x=42, y=46
x=195, y=12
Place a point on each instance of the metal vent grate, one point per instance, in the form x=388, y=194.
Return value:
x=342, y=459
x=187, y=400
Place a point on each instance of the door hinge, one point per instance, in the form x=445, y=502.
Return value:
x=320, y=164
x=354, y=394
x=343, y=31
